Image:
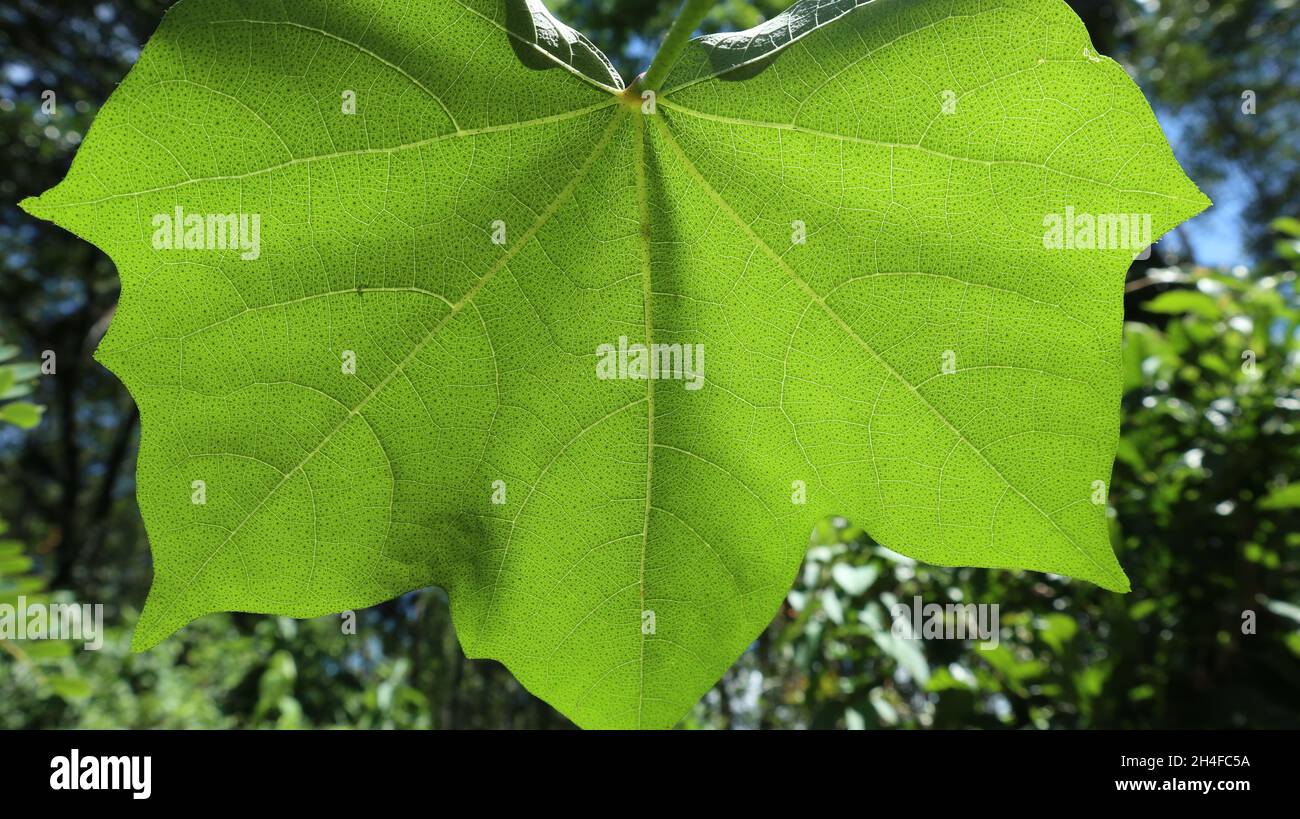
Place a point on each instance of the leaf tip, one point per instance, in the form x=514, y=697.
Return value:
x=1117, y=582
x=151, y=629
x=142, y=640
x=31, y=205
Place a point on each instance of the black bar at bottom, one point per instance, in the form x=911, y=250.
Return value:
x=210, y=769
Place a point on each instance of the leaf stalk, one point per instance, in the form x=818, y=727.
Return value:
x=689, y=19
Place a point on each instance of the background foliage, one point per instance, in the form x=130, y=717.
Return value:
x=1205, y=495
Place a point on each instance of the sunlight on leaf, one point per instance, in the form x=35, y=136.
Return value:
x=384, y=284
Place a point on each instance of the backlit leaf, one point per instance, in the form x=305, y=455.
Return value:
x=871, y=218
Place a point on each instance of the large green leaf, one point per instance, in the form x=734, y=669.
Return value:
x=824, y=388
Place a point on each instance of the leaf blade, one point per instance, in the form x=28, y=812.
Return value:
x=646, y=531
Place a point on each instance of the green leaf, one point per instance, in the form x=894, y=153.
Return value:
x=14, y=564
x=1057, y=630
x=22, y=414
x=24, y=370
x=15, y=379
x=890, y=335
x=1177, y=302
x=70, y=688
x=46, y=651
x=1142, y=609
x=1286, y=224
x=21, y=390
x=1286, y=497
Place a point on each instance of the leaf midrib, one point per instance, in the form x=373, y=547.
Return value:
x=647, y=297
